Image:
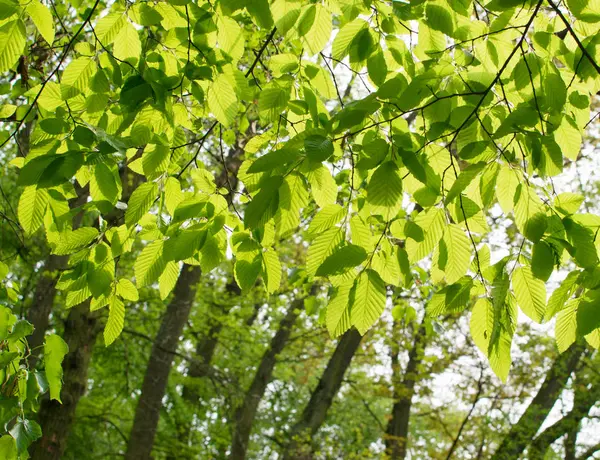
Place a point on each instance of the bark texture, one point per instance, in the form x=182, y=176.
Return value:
x=56, y=420
x=149, y=405
x=313, y=416
x=396, y=434
x=245, y=414
x=522, y=433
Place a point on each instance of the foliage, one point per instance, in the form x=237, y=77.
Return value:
x=140, y=138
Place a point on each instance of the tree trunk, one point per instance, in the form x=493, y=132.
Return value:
x=396, y=434
x=521, y=434
x=38, y=313
x=245, y=414
x=321, y=398
x=161, y=358
x=81, y=330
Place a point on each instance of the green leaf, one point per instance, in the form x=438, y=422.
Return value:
x=42, y=18
x=128, y=46
x=341, y=260
x=12, y=43
x=318, y=148
x=150, y=264
x=377, y=68
x=338, y=310
x=454, y=253
x=76, y=77
x=345, y=37
x=322, y=247
x=8, y=448
x=542, y=260
x=55, y=349
x=561, y=295
x=588, y=313
x=108, y=28
x=566, y=325
x=293, y=197
x=24, y=433
x=482, y=324
x=116, y=319
x=264, y=205
x=530, y=293
x=384, y=191
x=127, y=290
x=222, y=100
x=273, y=160
x=70, y=242
x=465, y=177
x=173, y=194
x=140, y=202
x=322, y=186
x=271, y=270
x=568, y=203
x=31, y=208
x=326, y=218
x=168, y=279
x=426, y=234
x=368, y=300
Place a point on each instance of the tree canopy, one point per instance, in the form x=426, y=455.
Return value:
x=400, y=171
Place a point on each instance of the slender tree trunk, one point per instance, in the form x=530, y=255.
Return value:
x=245, y=414
x=313, y=416
x=396, y=434
x=521, y=434
x=147, y=412
x=56, y=420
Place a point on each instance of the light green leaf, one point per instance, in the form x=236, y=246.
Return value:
x=322, y=247
x=31, y=209
x=566, y=325
x=326, y=218
x=140, y=202
x=70, y=242
x=168, y=279
x=76, y=77
x=426, y=236
x=108, y=28
x=127, y=290
x=482, y=324
x=368, y=300
x=12, y=43
x=338, y=310
x=530, y=293
x=128, y=46
x=271, y=270
x=293, y=197
x=384, y=191
x=173, y=194
x=454, y=253
x=149, y=264
x=322, y=186
x=465, y=177
x=222, y=100
x=42, y=18
x=55, y=349
x=116, y=319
